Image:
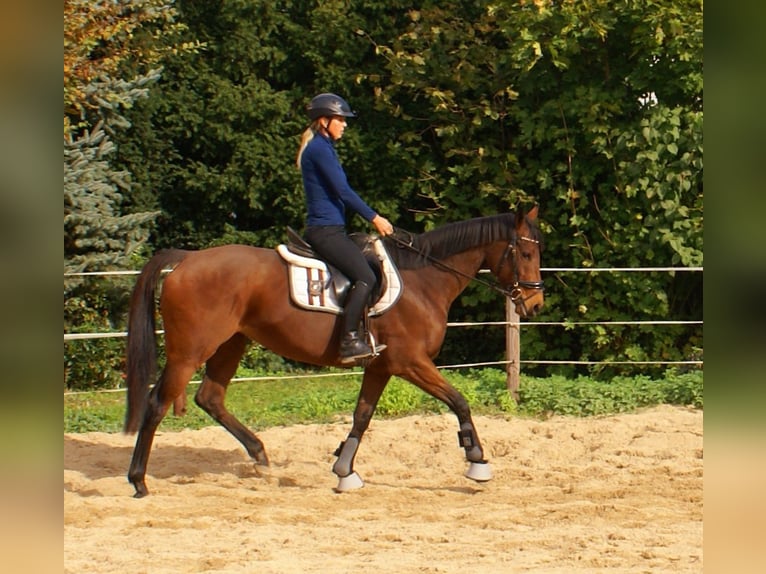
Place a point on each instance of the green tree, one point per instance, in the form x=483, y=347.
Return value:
x=214, y=146
x=104, y=42
x=590, y=108
x=101, y=40
x=96, y=235
x=594, y=110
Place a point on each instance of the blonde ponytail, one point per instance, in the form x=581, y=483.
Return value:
x=307, y=136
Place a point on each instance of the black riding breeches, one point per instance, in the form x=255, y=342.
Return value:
x=339, y=250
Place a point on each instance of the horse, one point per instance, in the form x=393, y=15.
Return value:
x=215, y=301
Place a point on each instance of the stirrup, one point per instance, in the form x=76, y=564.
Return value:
x=377, y=349
x=364, y=359
x=358, y=359
x=358, y=352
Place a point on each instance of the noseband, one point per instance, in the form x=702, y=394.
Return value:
x=515, y=292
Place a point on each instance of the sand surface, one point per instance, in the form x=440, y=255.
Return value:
x=613, y=494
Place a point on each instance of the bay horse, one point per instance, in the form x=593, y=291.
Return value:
x=216, y=300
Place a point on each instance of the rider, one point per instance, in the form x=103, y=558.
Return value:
x=328, y=196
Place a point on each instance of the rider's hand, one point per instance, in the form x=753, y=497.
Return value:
x=383, y=225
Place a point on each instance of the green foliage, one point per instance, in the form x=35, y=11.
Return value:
x=97, y=234
x=112, y=52
x=684, y=388
x=96, y=305
x=214, y=145
x=591, y=109
x=108, y=40
x=222, y=136
x=401, y=398
x=91, y=363
x=260, y=361
x=104, y=43
x=585, y=397
x=266, y=403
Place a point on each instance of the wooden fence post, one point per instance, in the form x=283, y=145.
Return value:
x=513, y=353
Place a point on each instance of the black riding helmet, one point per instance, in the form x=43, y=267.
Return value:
x=325, y=105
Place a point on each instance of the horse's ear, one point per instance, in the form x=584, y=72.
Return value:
x=530, y=216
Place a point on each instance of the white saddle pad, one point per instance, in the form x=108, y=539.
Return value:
x=311, y=282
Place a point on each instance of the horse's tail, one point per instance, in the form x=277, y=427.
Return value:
x=141, y=359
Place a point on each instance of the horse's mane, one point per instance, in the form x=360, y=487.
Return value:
x=451, y=239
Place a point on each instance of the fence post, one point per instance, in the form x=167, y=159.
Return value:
x=512, y=348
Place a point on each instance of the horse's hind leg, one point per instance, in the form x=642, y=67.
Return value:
x=172, y=383
x=220, y=368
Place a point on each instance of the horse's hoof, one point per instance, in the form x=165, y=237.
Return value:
x=258, y=455
x=351, y=482
x=479, y=471
x=141, y=490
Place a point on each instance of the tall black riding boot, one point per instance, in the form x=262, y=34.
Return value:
x=351, y=346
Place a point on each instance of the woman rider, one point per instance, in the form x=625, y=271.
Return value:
x=328, y=197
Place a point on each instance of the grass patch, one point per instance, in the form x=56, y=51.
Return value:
x=268, y=403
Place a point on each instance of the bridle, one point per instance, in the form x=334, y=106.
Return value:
x=514, y=292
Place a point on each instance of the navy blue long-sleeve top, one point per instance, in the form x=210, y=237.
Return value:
x=328, y=193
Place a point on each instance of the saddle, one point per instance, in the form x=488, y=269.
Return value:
x=318, y=286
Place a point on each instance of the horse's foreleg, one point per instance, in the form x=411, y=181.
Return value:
x=210, y=396
x=427, y=377
x=372, y=387
x=170, y=386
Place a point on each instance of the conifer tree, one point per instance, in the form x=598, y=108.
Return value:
x=112, y=53
x=96, y=234
x=104, y=42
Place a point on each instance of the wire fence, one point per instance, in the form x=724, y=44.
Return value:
x=510, y=361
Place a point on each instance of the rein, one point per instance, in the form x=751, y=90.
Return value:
x=514, y=292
